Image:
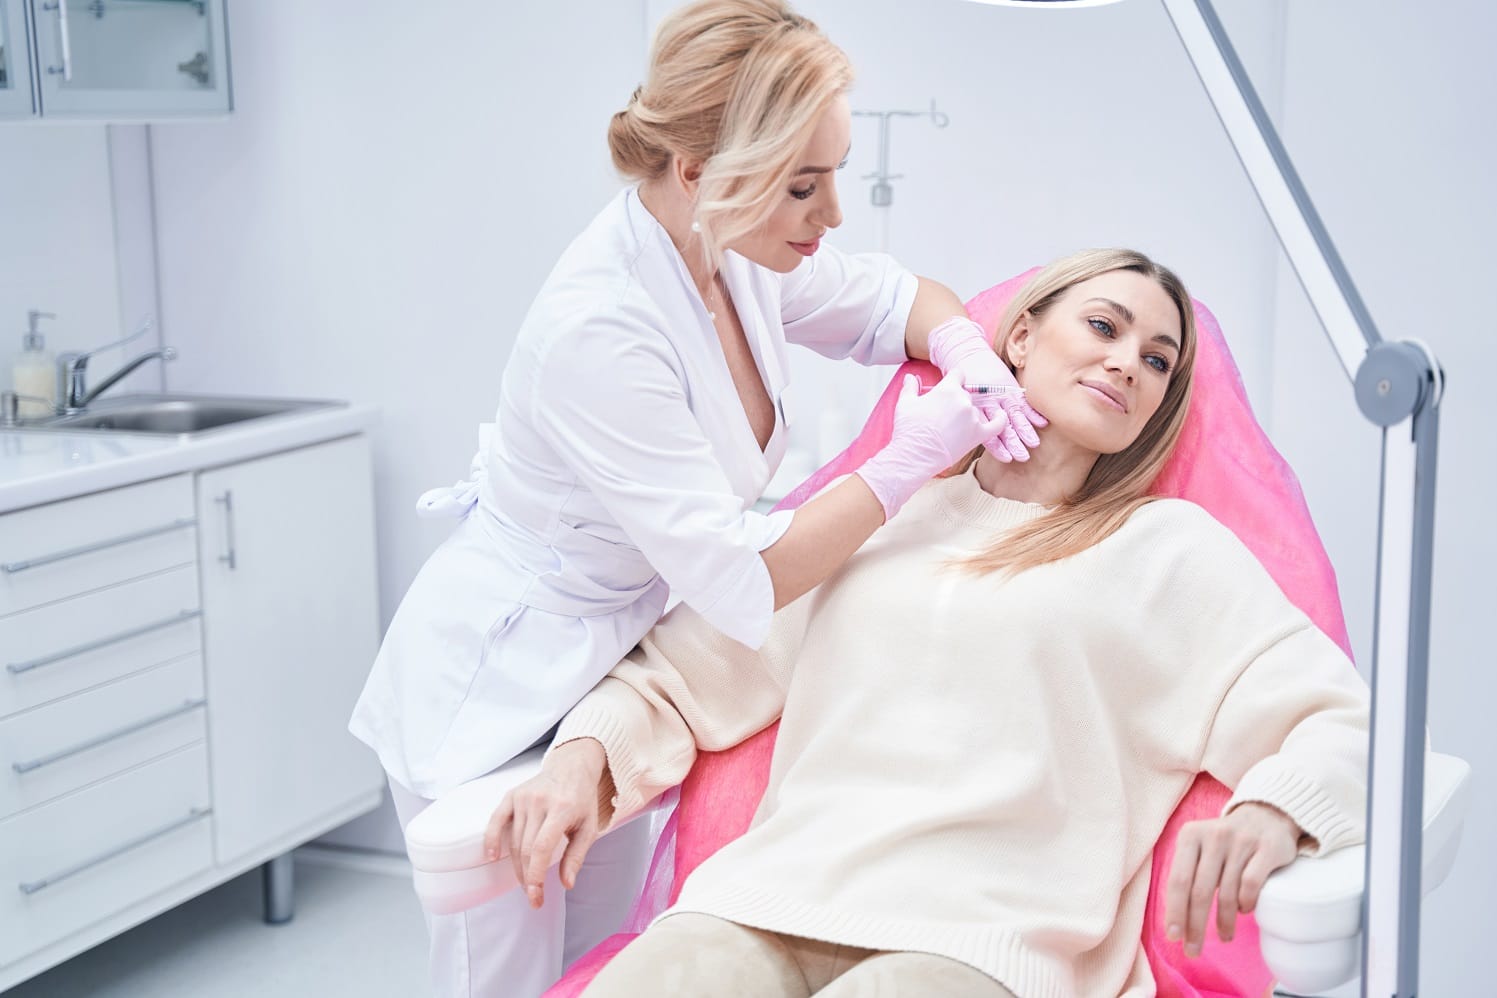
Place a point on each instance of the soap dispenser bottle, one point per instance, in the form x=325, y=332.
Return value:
x=34, y=372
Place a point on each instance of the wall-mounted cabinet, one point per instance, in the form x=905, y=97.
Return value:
x=16, y=97
x=114, y=59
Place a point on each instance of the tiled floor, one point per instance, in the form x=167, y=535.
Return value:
x=355, y=933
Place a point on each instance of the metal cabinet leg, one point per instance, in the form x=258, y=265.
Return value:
x=275, y=876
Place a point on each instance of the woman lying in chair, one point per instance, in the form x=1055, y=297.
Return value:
x=989, y=714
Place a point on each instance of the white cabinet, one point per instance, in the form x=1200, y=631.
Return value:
x=114, y=59
x=181, y=656
x=16, y=97
x=289, y=629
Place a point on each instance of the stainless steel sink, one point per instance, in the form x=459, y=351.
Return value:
x=174, y=415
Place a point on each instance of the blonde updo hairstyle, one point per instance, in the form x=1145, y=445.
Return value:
x=1118, y=484
x=739, y=86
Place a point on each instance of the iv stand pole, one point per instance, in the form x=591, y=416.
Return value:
x=1397, y=387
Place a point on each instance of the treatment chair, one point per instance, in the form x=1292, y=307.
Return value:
x=1306, y=930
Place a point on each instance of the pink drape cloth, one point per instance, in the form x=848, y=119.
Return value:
x=1225, y=463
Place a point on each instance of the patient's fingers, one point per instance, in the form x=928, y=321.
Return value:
x=1208, y=875
x=537, y=859
x=517, y=845
x=497, y=830
x=1192, y=883
x=1254, y=877
x=581, y=841
x=1227, y=903
x=1178, y=885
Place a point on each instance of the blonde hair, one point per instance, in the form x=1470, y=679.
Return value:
x=738, y=85
x=1117, y=484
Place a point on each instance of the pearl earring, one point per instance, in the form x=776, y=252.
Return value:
x=696, y=226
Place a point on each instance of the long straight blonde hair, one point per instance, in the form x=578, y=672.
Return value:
x=738, y=85
x=1117, y=484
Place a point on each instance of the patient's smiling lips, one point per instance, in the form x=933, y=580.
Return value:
x=1108, y=395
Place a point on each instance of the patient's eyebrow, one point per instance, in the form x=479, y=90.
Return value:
x=1127, y=314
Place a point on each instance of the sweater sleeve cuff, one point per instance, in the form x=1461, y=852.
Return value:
x=619, y=793
x=1273, y=782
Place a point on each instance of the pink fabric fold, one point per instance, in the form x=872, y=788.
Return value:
x=1225, y=463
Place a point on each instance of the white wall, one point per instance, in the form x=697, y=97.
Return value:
x=57, y=238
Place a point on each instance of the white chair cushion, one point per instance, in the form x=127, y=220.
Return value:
x=1310, y=912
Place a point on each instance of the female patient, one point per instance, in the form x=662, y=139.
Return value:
x=989, y=714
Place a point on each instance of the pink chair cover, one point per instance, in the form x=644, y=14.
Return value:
x=1225, y=463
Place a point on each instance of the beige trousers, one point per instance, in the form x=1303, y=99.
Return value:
x=707, y=957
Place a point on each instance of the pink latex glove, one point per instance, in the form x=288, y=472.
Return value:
x=930, y=432
x=959, y=346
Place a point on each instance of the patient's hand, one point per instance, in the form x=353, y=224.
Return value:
x=1229, y=857
x=559, y=803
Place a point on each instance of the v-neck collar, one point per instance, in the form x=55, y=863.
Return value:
x=738, y=279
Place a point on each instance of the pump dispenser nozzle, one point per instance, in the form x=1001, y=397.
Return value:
x=34, y=340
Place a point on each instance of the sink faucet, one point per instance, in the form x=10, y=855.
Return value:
x=72, y=368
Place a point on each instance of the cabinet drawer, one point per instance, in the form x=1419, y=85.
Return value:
x=92, y=853
x=65, y=548
x=62, y=648
x=46, y=752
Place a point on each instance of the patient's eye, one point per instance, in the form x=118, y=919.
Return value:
x=803, y=193
x=1103, y=326
x=1158, y=362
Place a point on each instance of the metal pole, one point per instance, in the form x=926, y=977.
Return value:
x=1398, y=387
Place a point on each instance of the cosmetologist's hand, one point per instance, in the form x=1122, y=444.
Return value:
x=560, y=803
x=1230, y=858
x=931, y=432
x=959, y=346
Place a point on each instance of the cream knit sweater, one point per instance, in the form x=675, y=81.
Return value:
x=979, y=766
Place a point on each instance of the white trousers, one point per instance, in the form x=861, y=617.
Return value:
x=506, y=949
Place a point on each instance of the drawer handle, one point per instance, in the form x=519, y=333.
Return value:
x=12, y=567
x=227, y=501
x=129, y=729
x=32, y=886
x=16, y=668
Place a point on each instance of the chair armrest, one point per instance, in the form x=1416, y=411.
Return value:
x=445, y=841
x=1310, y=913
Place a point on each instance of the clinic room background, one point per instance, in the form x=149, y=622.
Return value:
x=396, y=179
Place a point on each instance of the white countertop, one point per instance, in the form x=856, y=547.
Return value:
x=38, y=466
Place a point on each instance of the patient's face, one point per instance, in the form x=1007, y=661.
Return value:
x=1098, y=361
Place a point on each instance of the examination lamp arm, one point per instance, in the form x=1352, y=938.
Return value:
x=1398, y=387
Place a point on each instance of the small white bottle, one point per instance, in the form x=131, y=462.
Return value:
x=34, y=372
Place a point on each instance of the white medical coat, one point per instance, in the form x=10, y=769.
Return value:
x=621, y=469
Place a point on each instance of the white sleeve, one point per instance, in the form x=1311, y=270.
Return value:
x=609, y=399
x=849, y=305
